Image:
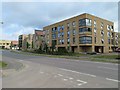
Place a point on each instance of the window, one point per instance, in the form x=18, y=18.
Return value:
x=68, y=33
x=109, y=34
x=112, y=35
x=85, y=22
x=102, y=33
x=108, y=27
x=95, y=31
x=59, y=41
x=54, y=29
x=112, y=28
x=95, y=40
x=59, y=34
x=102, y=41
x=88, y=22
x=62, y=41
x=108, y=41
x=73, y=31
x=59, y=27
x=73, y=23
x=68, y=24
x=62, y=27
x=68, y=40
x=85, y=30
x=102, y=25
x=73, y=40
x=7, y=43
x=95, y=24
x=53, y=36
x=85, y=40
x=62, y=34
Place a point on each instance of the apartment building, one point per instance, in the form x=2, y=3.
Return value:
x=38, y=39
x=5, y=44
x=83, y=33
x=21, y=41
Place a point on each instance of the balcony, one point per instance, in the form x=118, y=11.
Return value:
x=86, y=33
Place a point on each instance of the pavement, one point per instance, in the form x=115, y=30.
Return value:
x=28, y=71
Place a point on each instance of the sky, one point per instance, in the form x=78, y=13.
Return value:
x=24, y=17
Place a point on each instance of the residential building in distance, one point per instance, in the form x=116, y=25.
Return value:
x=14, y=45
x=21, y=41
x=28, y=42
x=5, y=44
x=38, y=39
x=83, y=33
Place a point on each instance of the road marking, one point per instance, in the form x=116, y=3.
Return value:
x=21, y=60
x=65, y=79
x=60, y=75
x=70, y=78
x=108, y=68
x=97, y=62
x=79, y=84
x=113, y=80
x=81, y=81
x=41, y=72
x=77, y=72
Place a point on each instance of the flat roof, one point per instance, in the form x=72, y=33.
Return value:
x=77, y=16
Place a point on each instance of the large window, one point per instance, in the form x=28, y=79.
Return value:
x=85, y=22
x=85, y=30
x=85, y=40
x=53, y=36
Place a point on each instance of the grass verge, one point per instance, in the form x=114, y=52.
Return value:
x=2, y=64
x=76, y=56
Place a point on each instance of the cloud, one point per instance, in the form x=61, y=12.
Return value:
x=23, y=17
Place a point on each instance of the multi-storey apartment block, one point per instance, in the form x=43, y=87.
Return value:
x=83, y=33
x=38, y=39
x=21, y=41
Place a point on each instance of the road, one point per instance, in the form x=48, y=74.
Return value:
x=44, y=72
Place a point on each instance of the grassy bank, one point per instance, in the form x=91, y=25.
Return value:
x=2, y=64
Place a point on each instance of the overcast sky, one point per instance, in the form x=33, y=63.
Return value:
x=24, y=17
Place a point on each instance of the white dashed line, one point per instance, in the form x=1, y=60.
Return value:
x=81, y=81
x=112, y=80
x=60, y=75
x=70, y=78
x=41, y=72
x=21, y=60
x=65, y=79
x=78, y=72
x=79, y=84
x=108, y=68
